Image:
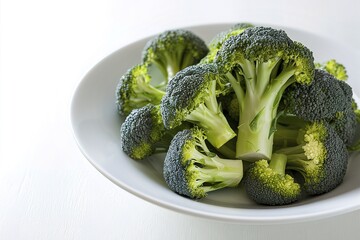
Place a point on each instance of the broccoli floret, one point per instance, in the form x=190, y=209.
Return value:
x=173, y=50
x=321, y=99
x=190, y=169
x=191, y=96
x=267, y=183
x=143, y=133
x=134, y=90
x=320, y=156
x=335, y=68
x=216, y=43
x=327, y=99
x=260, y=64
x=345, y=124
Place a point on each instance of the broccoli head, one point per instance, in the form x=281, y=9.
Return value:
x=321, y=99
x=267, y=183
x=190, y=169
x=320, y=156
x=260, y=64
x=216, y=43
x=192, y=96
x=173, y=50
x=134, y=90
x=143, y=133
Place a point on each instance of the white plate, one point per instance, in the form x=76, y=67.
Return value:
x=96, y=127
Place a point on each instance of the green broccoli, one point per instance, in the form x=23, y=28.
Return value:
x=143, y=133
x=319, y=155
x=322, y=99
x=134, y=90
x=173, y=50
x=260, y=64
x=216, y=43
x=192, y=96
x=326, y=99
x=345, y=124
x=267, y=183
x=335, y=68
x=190, y=169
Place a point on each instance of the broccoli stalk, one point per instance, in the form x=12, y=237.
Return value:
x=260, y=64
x=190, y=169
x=209, y=116
x=206, y=167
x=261, y=97
x=134, y=90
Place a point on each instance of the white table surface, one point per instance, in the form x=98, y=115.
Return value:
x=48, y=190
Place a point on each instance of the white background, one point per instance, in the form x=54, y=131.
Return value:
x=48, y=190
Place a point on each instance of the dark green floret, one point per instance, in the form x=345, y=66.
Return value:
x=135, y=90
x=345, y=124
x=192, y=96
x=143, y=133
x=260, y=64
x=320, y=156
x=321, y=99
x=216, y=43
x=173, y=50
x=190, y=169
x=267, y=183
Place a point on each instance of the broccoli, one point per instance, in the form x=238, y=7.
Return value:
x=345, y=124
x=173, y=50
x=319, y=155
x=260, y=64
x=134, y=90
x=335, y=68
x=143, y=133
x=321, y=99
x=267, y=183
x=191, y=96
x=190, y=169
x=327, y=99
x=216, y=43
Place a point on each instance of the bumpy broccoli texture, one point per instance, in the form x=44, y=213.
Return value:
x=142, y=132
x=190, y=168
x=267, y=183
x=251, y=110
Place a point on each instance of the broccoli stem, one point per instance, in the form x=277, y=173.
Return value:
x=258, y=105
x=215, y=124
x=285, y=136
x=173, y=61
x=214, y=172
x=278, y=163
x=148, y=93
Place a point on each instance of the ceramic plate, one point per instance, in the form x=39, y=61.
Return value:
x=96, y=127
